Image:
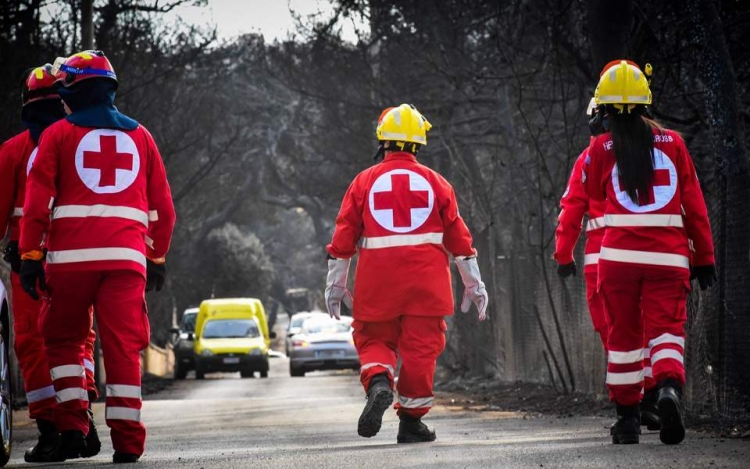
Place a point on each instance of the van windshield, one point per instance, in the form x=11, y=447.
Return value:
x=188, y=322
x=231, y=329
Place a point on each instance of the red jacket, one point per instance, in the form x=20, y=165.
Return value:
x=14, y=165
x=403, y=219
x=654, y=231
x=107, y=195
x=575, y=203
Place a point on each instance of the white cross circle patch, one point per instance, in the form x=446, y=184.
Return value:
x=107, y=161
x=401, y=200
x=663, y=188
x=32, y=157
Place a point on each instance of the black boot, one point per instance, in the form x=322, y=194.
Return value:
x=47, y=448
x=670, y=412
x=93, y=445
x=412, y=430
x=124, y=458
x=627, y=429
x=379, y=398
x=72, y=444
x=649, y=411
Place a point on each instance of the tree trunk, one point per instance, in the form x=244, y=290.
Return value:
x=716, y=71
x=87, y=24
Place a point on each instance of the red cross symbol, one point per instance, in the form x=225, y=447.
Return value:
x=108, y=160
x=661, y=178
x=401, y=199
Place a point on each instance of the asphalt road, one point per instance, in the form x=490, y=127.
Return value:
x=284, y=422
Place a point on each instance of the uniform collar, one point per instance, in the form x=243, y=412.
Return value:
x=400, y=155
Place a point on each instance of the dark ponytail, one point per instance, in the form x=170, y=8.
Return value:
x=633, y=140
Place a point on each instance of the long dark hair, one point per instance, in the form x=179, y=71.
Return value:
x=633, y=140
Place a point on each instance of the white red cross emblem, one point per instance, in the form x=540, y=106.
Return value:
x=663, y=188
x=401, y=200
x=107, y=161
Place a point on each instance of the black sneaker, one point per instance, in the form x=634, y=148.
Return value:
x=649, y=411
x=627, y=429
x=411, y=430
x=47, y=448
x=124, y=458
x=72, y=444
x=379, y=398
x=670, y=412
x=93, y=445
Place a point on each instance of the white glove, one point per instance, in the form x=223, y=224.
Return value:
x=336, y=292
x=474, y=287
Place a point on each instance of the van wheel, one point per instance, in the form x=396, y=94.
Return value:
x=264, y=374
x=200, y=373
x=180, y=370
x=247, y=373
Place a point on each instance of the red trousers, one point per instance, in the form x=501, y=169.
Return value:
x=29, y=348
x=418, y=340
x=120, y=308
x=643, y=301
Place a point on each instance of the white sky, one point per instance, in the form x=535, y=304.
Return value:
x=271, y=18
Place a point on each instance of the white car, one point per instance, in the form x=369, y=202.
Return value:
x=6, y=390
x=323, y=344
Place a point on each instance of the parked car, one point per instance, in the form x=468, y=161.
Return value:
x=232, y=335
x=295, y=326
x=6, y=389
x=323, y=344
x=183, y=343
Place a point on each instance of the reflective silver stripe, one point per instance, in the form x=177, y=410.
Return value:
x=393, y=241
x=18, y=211
x=633, y=377
x=611, y=97
x=72, y=394
x=415, y=402
x=67, y=371
x=89, y=365
x=393, y=135
x=646, y=353
x=96, y=254
x=419, y=139
x=149, y=242
x=110, y=211
x=623, y=358
x=648, y=372
x=124, y=390
x=591, y=259
x=645, y=257
x=654, y=220
x=36, y=395
x=122, y=413
x=667, y=353
x=667, y=338
x=153, y=215
x=638, y=99
x=595, y=224
x=367, y=366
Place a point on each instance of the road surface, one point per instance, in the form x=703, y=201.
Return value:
x=284, y=422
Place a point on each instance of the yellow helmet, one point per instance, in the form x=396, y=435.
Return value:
x=623, y=85
x=403, y=124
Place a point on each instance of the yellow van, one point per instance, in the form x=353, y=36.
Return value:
x=232, y=335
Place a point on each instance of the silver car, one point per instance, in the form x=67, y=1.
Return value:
x=323, y=344
x=295, y=326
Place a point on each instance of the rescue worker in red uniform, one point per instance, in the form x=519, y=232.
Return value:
x=654, y=206
x=98, y=191
x=41, y=108
x=403, y=219
x=575, y=203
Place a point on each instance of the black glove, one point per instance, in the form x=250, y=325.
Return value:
x=155, y=275
x=566, y=270
x=31, y=272
x=12, y=256
x=706, y=275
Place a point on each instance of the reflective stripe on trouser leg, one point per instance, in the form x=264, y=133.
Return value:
x=124, y=332
x=376, y=345
x=29, y=348
x=88, y=362
x=64, y=324
x=665, y=309
x=421, y=341
x=620, y=286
